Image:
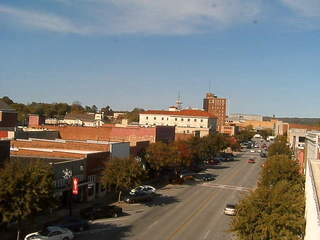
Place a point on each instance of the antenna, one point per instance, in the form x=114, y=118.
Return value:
x=179, y=102
x=210, y=86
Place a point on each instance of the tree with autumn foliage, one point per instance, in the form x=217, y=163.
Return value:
x=122, y=174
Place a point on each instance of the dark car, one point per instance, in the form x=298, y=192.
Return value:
x=251, y=160
x=139, y=197
x=72, y=223
x=97, y=212
x=205, y=177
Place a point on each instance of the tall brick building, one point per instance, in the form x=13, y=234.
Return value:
x=216, y=106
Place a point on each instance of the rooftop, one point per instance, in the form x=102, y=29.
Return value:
x=185, y=112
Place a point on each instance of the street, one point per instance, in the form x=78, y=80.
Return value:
x=190, y=211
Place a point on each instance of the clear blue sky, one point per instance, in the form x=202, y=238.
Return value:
x=263, y=55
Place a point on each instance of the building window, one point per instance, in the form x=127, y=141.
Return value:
x=201, y=120
x=147, y=118
x=195, y=120
x=187, y=131
x=155, y=118
x=162, y=118
x=188, y=119
x=167, y=118
x=182, y=119
x=175, y=119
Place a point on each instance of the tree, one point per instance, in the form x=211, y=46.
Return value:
x=121, y=174
x=279, y=147
x=133, y=116
x=275, y=210
x=265, y=132
x=26, y=188
x=245, y=134
x=7, y=100
x=278, y=168
x=160, y=155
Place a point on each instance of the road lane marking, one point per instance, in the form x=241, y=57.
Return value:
x=182, y=226
x=223, y=186
x=207, y=234
x=154, y=223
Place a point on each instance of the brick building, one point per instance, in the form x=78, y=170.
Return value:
x=108, y=132
x=8, y=116
x=35, y=120
x=85, y=159
x=217, y=107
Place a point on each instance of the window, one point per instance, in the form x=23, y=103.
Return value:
x=167, y=118
x=188, y=119
x=147, y=118
x=162, y=118
x=195, y=120
x=181, y=119
x=155, y=118
x=175, y=119
x=201, y=120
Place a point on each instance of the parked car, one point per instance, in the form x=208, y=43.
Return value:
x=72, y=223
x=213, y=162
x=230, y=210
x=186, y=174
x=51, y=233
x=251, y=160
x=138, y=197
x=143, y=188
x=97, y=212
x=205, y=177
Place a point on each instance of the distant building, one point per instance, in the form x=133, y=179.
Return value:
x=83, y=119
x=217, y=107
x=36, y=120
x=194, y=122
x=229, y=130
x=238, y=117
x=8, y=116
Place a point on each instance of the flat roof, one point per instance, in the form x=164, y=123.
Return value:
x=53, y=150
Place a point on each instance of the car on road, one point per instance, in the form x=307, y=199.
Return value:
x=72, y=223
x=143, y=188
x=205, y=177
x=230, y=209
x=252, y=151
x=213, y=162
x=97, y=212
x=51, y=233
x=139, y=197
x=251, y=160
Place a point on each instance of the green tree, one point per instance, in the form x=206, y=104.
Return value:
x=26, y=188
x=7, y=100
x=121, y=174
x=275, y=210
x=133, y=116
x=279, y=147
x=265, y=132
x=245, y=134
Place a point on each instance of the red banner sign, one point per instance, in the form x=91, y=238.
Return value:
x=75, y=186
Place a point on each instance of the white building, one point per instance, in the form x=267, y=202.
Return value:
x=312, y=185
x=188, y=121
x=240, y=117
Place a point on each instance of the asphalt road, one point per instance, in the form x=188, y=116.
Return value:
x=188, y=212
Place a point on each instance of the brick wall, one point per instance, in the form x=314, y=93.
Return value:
x=60, y=145
x=8, y=119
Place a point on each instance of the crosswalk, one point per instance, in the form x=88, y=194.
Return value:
x=229, y=187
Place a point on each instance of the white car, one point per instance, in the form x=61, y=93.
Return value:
x=252, y=150
x=51, y=233
x=143, y=188
x=230, y=210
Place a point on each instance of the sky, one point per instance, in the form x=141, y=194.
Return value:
x=262, y=55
